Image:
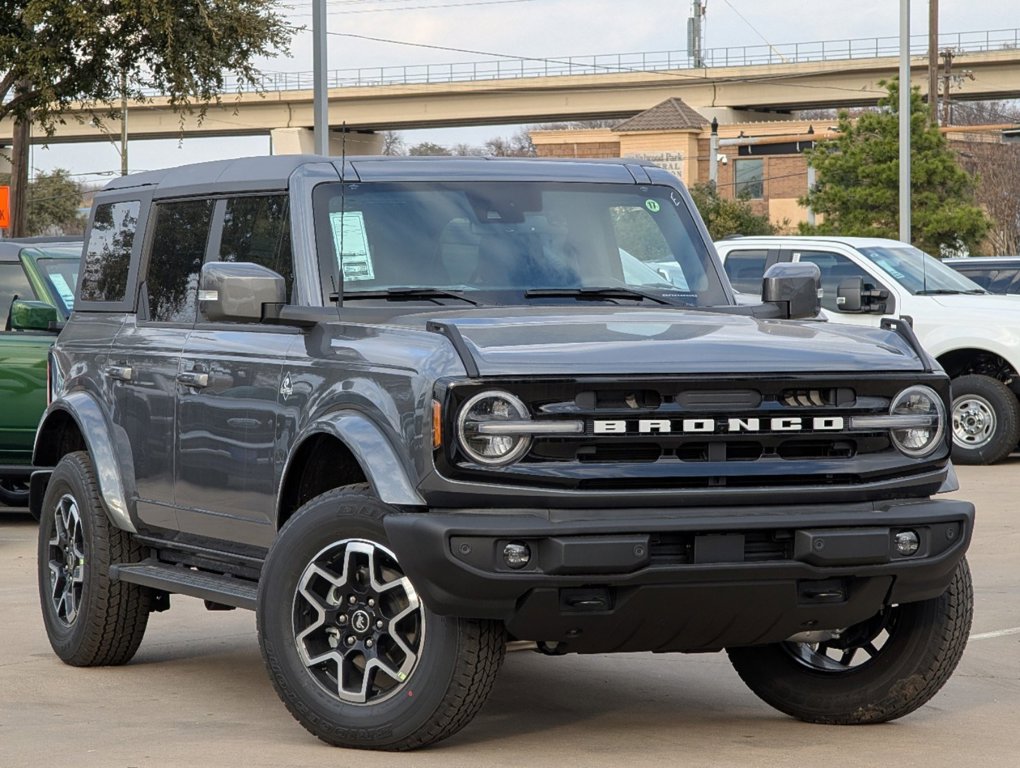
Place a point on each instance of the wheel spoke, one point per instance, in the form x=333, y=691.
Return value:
x=358, y=633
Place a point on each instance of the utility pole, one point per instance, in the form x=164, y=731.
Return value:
x=713, y=154
x=933, y=62
x=320, y=94
x=904, y=117
x=123, y=124
x=696, y=33
x=947, y=79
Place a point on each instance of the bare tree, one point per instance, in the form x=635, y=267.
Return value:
x=393, y=143
x=997, y=167
x=986, y=112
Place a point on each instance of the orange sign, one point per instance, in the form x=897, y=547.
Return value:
x=5, y=207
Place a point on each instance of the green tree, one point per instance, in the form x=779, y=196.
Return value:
x=428, y=148
x=858, y=181
x=55, y=53
x=725, y=217
x=54, y=200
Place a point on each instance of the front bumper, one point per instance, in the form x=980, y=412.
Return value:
x=689, y=579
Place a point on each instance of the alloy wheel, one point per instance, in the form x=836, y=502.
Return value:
x=852, y=649
x=359, y=624
x=67, y=560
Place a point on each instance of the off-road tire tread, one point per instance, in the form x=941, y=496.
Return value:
x=953, y=623
x=119, y=613
x=481, y=647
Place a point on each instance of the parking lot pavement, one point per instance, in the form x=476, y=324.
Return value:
x=197, y=695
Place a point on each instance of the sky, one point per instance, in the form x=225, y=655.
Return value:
x=454, y=31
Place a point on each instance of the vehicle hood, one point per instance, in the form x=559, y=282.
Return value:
x=985, y=303
x=665, y=341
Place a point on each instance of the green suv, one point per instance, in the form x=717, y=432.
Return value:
x=37, y=279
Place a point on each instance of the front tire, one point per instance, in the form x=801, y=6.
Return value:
x=91, y=620
x=352, y=650
x=986, y=420
x=879, y=670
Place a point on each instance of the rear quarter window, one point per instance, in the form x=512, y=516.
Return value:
x=107, y=259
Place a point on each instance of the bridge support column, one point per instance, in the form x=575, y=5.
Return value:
x=301, y=141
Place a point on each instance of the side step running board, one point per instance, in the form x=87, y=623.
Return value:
x=227, y=590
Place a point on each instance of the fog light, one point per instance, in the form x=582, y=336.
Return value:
x=516, y=554
x=907, y=542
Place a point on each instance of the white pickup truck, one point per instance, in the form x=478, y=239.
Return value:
x=974, y=335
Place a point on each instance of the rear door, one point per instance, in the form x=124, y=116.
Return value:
x=146, y=356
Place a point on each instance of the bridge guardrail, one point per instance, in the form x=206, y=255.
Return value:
x=652, y=61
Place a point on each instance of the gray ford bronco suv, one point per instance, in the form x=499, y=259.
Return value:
x=410, y=409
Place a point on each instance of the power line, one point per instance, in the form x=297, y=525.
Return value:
x=465, y=4
x=754, y=29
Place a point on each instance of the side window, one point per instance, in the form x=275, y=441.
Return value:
x=749, y=176
x=835, y=268
x=986, y=278
x=178, y=249
x=746, y=268
x=1014, y=285
x=13, y=283
x=257, y=229
x=108, y=252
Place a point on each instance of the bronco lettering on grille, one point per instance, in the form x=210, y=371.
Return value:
x=711, y=426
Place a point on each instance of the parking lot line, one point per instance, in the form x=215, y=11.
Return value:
x=996, y=633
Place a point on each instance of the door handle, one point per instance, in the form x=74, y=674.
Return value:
x=119, y=372
x=193, y=379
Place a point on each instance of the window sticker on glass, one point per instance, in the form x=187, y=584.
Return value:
x=652, y=205
x=351, y=243
x=63, y=289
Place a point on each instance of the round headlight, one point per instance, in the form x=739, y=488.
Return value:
x=924, y=436
x=492, y=408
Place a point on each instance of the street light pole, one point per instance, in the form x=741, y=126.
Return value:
x=320, y=95
x=904, y=115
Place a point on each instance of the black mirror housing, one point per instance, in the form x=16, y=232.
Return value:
x=794, y=288
x=238, y=290
x=850, y=295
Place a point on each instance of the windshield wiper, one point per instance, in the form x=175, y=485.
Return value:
x=405, y=293
x=939, y=292
x=593, y=293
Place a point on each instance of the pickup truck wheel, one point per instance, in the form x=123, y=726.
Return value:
x=352, y=650
x=986, y=420
x=13, y=493
x=90, y=619
x=876, y=671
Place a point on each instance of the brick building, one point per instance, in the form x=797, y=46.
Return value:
x=761, y=160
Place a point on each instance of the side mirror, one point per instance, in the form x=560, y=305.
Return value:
x=849, y=294
x=229, y=290
x=34, y=316
x=852, y=296
x=794, y=288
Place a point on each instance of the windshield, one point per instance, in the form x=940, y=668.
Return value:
x=512, y=242
x=918, y=272
x=61, y=273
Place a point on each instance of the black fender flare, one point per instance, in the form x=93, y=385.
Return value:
x=101, y=441
x=373, y=451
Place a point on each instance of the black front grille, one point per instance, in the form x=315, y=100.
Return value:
x=686, y=432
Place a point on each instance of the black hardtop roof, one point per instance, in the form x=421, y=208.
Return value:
x=274, y=171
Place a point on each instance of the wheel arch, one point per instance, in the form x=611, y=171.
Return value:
x=344, y=448
x=960, y=362
x=76, y=422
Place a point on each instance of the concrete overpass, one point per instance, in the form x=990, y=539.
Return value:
x=522, y=91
